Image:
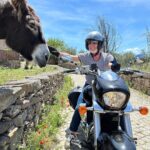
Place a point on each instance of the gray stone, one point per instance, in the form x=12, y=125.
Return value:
x=24, y=95
x=5, y=147
x=6, y=98
x=4, y=140
x=12, y=132
x=40, y=93
x=27, y=85
x=36, y=120
x=11, y=128
x=35, y=100
x=19, y=120
x=25, y=103
x=13, y=110
x=38, y=107
x=1, y=114
x=4, y=126
x=30, y=113
x=7, y=118
x=35, y=84
x=16, y=139
x=43, y=78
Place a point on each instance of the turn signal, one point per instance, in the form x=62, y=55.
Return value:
x=143, y=110
x=82, y=110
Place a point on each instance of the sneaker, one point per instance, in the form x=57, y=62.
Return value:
x=72, y=137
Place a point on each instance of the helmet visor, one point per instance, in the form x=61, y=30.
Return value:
x=92, y=42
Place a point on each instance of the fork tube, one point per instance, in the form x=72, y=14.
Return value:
x=127, y=124
x=96, y=128
x=96, y=121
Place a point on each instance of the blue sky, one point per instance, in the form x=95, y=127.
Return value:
x=70, y=20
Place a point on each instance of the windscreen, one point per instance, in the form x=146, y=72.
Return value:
x=109, y=75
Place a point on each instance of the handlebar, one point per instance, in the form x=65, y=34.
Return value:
x=69, y=71
x=87, y=70
x=90, y=69
x=128, y=71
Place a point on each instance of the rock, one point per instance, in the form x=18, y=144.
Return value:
x=25, y=104
x=7, y=118
x=13, y=110
x=38, y=108
x=19, y=120
x=4, y=140
x=30, y=113
x=1, y=114
x=16, y=138
x=36, y=120
x=5, y=147
x=6, y=98
x=5, y=125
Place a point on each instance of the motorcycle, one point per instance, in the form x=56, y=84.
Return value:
x=110, y=128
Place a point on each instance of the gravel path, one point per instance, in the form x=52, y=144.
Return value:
x=141, y=124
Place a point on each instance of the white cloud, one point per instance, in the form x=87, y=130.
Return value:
x=134, y=50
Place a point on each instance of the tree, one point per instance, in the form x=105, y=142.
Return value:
x=147, y=54
x=125, y=59
x=112, y=38
x=61, y=45
x=81, y=51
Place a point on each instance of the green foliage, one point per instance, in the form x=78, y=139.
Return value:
x=66, y=89
x=124, y=59
x=128, y=60
x=81, y=51
x=56, y=43
x=7, y=74
x=61, y=46
x=146, y=55
x=44, y=134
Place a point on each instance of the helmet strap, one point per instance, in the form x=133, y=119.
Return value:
x=93, y=55
x=96, y=56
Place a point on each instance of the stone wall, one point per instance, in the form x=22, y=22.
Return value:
x=9, y=58
x=8, y=55
x=21, y=103
x=139, y=81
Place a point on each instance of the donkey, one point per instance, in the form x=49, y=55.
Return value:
x=20, y=27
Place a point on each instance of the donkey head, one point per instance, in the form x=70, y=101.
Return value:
x=26, y=34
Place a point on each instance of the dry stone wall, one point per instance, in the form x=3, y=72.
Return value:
x=139, y=81
x=21, y=104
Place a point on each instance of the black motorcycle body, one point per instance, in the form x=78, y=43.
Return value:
x=111, y=127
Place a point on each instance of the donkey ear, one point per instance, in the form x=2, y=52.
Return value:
x=21, y=8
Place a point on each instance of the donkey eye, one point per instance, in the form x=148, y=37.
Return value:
x=32, y=22
x=32, y=25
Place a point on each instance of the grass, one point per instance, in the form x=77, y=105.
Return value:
x=44, y=134
x=7, y=74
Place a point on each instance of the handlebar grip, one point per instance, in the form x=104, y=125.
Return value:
x=126, y=72
x=69, y=71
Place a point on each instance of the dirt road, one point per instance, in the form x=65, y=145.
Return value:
x=141, y=124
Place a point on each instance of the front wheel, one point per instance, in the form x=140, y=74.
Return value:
x=117, y=140
x=102, y=142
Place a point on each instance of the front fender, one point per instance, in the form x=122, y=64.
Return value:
x=116, y=141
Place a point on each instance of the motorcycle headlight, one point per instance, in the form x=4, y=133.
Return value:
x=114, y=100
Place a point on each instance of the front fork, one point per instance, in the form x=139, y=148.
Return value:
x=97, y=128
